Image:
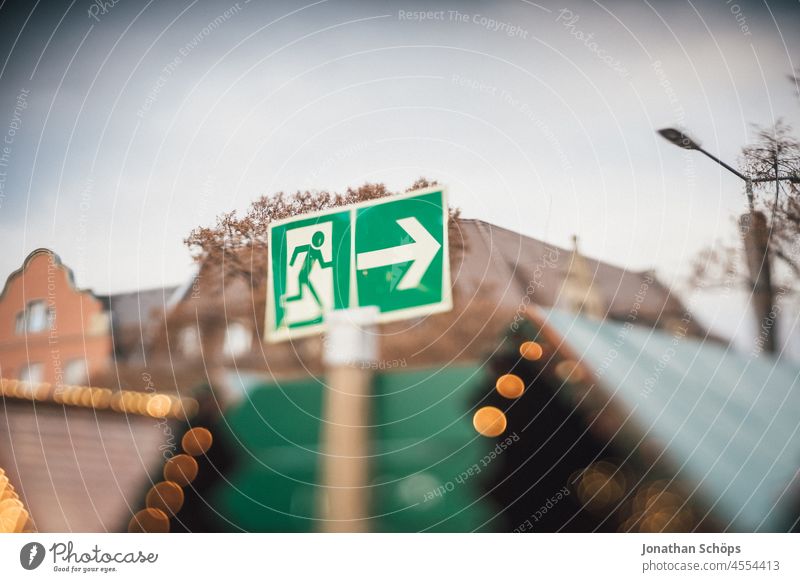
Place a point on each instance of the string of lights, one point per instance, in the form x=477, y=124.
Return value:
x=14, y=518
x=152, y=404
x=165, y=498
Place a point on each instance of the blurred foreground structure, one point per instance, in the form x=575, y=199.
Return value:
x=620, y=412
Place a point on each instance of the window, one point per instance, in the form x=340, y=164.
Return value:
x=37, y=317
x=189, y=341
x=238, y=340
x=75, y=372
x=32, y=373
x=20, y=325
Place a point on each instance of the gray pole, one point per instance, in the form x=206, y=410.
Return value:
x=755, y=235
x=350, y=350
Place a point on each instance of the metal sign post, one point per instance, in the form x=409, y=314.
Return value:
x=350, y=348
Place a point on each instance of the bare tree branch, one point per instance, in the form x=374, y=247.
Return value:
x=774, y=152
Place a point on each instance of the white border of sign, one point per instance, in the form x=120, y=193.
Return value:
x=446, y=304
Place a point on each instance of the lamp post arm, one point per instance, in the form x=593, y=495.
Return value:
x=723, y=164
x=778, y=179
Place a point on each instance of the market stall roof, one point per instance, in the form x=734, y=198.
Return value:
x=79, y=456
x=729, y=422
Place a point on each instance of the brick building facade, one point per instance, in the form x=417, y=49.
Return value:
x=51, y=331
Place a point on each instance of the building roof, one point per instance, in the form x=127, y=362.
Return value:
x=79, y=470
x=134, y=317
x=80, y=456
x=56, y=261
x=515, y=266
x=726, y=421
x=135, y=308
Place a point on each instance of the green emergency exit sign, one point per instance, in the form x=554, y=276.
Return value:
x=391, y=253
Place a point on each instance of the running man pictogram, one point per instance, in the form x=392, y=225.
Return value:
x=313, y=255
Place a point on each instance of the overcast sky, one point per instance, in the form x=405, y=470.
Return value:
x=131, y=124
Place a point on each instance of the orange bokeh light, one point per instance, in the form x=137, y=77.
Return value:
x=197, y=441
x=166, y=496
x=149, y=521
x=531, y=351
x=181, y=469
x=510, y=386
x=489, y=421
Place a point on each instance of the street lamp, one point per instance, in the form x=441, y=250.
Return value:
x=755, y=233
x=682, y=140
x=678, y=138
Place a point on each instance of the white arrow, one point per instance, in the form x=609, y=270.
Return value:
x=421, y=251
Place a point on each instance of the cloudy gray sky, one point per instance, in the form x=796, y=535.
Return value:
x=131, y=124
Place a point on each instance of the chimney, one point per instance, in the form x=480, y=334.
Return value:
x=578, y=292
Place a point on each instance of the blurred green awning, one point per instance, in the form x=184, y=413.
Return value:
x=729, y=422
x=422, y=424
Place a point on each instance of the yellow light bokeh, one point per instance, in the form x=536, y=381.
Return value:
x=601, y=485
x=139, y=402
x=40, y=391
x=159, y=405
x=531, y=351
x=149, y=520
x=166, y=496
x=85, y=398
x=180, y=469
x=489, y=421
x=116, y=402
x=510, y=386
x=103, y=398
x=152, y=404
x=13, y=520
x=9, y=504
x=197, y=441
x=569, y=371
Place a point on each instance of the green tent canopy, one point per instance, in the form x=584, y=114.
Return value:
x=729, y=422
x=423, y=440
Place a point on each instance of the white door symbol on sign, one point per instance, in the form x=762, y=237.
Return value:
x=309, y=273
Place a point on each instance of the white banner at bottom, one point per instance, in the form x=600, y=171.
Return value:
x=390, y=557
